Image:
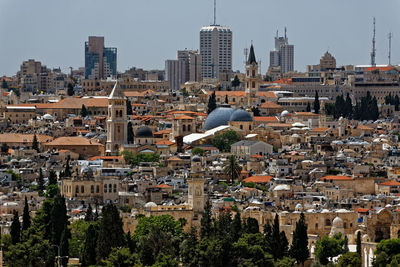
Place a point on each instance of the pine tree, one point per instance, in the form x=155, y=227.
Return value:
x=111, y=234
x=316, y=103
x=308, y=109
x=299, y=248
x=89, y=247
x=70, y=90
x=236, y=230
x=130, y=133
x=52, y=177
x=206, y=220
x=40, y=182
x=129, y=110
x=35, y=143
x=235, y=82
x=26, y=218
x=15, y=230
x=212, y=103
x=84, y=111
x=358, y=242
x=89, y=214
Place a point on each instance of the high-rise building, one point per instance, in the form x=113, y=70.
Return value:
x=215, y=50
x=283, y=54
x=192, y=65
x=100, y=61
x=174, y=73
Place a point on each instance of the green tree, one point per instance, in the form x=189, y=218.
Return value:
x=67, y=170
x=4, y=84
x=15, y=230
x=349, y=259
x=197, y=151
x=232, y=168
x=64, y=245
x=4, y=148
x=387, y=251
x=165, y=260
x=121, y=257
x=316, y=103
x=358, y=243
x=89, y=255
x=348, y=107
x=235, y=82
x=89, y=214
x=111, y=234
x=136, y=159
x=130, y=133
x=237, y=227
x=226, y=99
x=396, y=103
x=35, y=143
x=78, y=230
x=285, y=262
x=276, y=239
x=129, y=110
x=249, y=250
x=58, y=220
x=40, y=182
x=26, y=218
x=299, y=248
x=251, y=226
x=256, y=111
x=70, y=89
x=212, y=103
x=206, y=220
x=224, y=140
x=328, y=247
x=84, y=111
x=308, y=109
x=52, y=191
x=52, y=177
x=188, y=249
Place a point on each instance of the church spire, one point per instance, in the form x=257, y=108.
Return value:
x=252, y=56
x=117, y=91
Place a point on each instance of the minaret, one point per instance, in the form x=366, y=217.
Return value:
x=117, y=122
x=196, y=186
x=252, y=78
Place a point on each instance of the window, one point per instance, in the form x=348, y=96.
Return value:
x=97, y=189
x=327, y=222
x=92, y=189
x=105, y=188
x=115, y=188
x=77, y=189
x=109, y=188
x=189, y=126
x=82, y=189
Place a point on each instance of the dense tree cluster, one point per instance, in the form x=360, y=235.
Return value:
x=365, y=109
x=136, y=159
x=224, y=140
x=393, y=100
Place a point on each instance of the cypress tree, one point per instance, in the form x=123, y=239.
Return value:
x=226, y=99
x=348, y=107
x=358, y=243
x=130, y=133
x=26, y=218
x=308, y=109
x=84, y=111
x=346, y=244
x=212, y=103
x=70, y=90
x=35, y=143
x=15, y=230
x=316, y=103
x=67, y=171
x=206, y=220
x=111, y=234
x=299, y=248
x=40, y=182
x=52, y=177
x=236, y=227
x=396, y=103
x=89, y=214
x=58, y=220
x=129, y=110
x=89, y=247
x=64, y=245
x=278, y=241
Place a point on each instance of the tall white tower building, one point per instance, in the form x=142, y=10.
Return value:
x=215, y=50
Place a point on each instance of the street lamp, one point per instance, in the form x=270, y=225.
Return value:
x=58, y=257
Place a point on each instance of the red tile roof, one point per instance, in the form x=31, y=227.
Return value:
x=390, y=183
x=258, y=179
x=336, y=178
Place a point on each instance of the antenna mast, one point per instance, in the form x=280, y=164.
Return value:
x=390, y=47
x=373, y=53
x=215, y=12
x=245, y=52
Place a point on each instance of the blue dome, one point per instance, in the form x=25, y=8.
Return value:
x=144, y=132
x=219, y=116
x=241, y=115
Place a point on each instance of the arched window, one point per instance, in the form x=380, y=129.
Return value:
x=253, y=85
x=189, y=128
x=109, y=188
x=253, y=73
x=120, y=113
x=97, y=189
x=105, y=188
x=82, y=189
x=327, y=222
x=184, y=128
x=115, y=188
x=92, y=189
x=77, y=189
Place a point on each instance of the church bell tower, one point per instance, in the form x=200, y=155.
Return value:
x=252, y=78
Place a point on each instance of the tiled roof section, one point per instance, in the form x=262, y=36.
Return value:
x=320, y=129
x=23, y=138
x=184, y=117
x=229, y=93
x=266, y=119
x=379, y=68
x=107, y=158
x=137, y=93
x=364, y=127
x=258, y=179
x=390, y=183
x=165, y=131
x=270, y=104
x=267, y=94
x=174, y=158
x=336, y=178
x=165, y=142
x=73, y=141
x=164, y=186
x=310, y=114
x=361, y=210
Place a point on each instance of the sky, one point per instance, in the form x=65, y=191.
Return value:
x=147, y=32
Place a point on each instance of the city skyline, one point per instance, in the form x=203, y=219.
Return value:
x=346, y=31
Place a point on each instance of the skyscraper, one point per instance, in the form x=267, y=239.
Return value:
x=100, y=61
x=192, y=65
x=174, y=72
x=215, y=50
x=283, y=54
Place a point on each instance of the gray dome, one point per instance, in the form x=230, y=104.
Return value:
x=196, y=158
x=219, y=116
x=241, y=115
x=144, y=132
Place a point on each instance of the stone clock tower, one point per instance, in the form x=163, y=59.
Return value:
x=196, y=186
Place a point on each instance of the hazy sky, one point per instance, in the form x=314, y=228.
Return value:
x=147, y=32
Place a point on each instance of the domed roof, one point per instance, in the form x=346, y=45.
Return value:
x=196, y=158
x=219, y=116
x=144, y=132
x=241, y=115
x=337, y=222
x=150, y=204
x=284, y=113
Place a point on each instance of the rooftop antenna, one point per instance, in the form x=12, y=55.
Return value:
x=373, y=53
x=277, y=34
x=285, y=33
x=390, y=47
x=245, y=52
x=215, y=12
